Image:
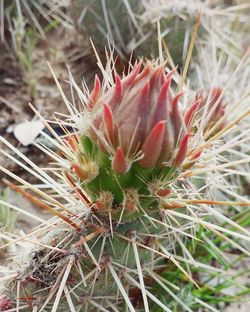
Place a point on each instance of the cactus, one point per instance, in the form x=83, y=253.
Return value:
x=138, y=133
x=123, y=196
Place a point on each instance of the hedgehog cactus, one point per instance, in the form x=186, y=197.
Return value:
x=122, y=167
x=138, y=133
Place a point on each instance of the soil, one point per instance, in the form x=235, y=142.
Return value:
x=15, y=93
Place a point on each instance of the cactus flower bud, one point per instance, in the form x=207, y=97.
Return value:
x=137, y=142
x=139, y=116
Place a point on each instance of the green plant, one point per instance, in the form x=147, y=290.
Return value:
x=126, y=187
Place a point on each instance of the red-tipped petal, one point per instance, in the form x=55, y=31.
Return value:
x=143, y=74
x=127, y=83
x=153, y=145
x=193, y=160
x=161, y=110
x=164, y=90
x=170, y=74
x=190, y=113
x=177, y=119
x=168, y=145
x=177, y=97
x=95, y=93
x=143, y=111
x=119, y=162
x=109, y=122
x=156, y=78
x=118, y=91
x=182, y=152
x=197, y=155
x=133, y=119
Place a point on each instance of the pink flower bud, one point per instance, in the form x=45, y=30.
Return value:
x=141, y=120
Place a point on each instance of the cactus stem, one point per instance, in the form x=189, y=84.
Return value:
x=120, y=287
x=90, y=253
x=148, y=293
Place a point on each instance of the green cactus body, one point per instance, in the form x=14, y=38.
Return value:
x=122, y=168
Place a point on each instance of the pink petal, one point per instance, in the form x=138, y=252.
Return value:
x=144, y=73
x=177, y=119
x=109, y=122
x=129, y=80
x=161, y=110
x=119, y=162
x=136, y=110
x=190, y=113
x=153, y=145
x=182, y=152
x=143, y=111
x=116, y=98
x=156, y=78
x=168, y=144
